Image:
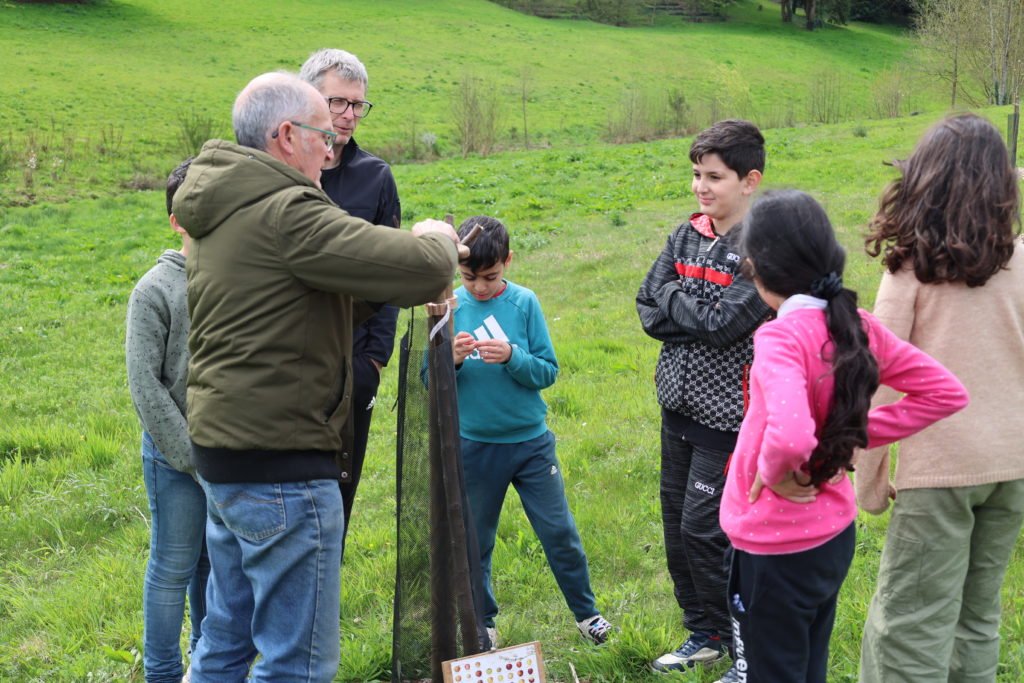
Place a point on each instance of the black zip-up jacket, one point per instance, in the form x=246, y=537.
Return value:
x=695, y=301
x=363, y=185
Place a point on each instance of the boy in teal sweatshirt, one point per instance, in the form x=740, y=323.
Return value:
x=503, y=359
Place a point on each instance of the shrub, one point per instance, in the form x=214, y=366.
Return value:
x=194, y=129
x=476, y=111
x=825, y=102
x=889, y=93
x=7, y=159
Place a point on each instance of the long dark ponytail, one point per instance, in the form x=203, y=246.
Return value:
x=794, y=250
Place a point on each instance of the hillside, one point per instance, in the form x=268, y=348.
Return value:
x=93, y=97
x=586, y=222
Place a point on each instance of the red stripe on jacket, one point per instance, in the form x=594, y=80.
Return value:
x=709, y=274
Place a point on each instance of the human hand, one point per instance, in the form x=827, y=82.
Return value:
x=494, y=350
x=462, y=346
x=793, y=487
x=431, y=225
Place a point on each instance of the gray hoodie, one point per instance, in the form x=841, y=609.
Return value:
x=156, y=352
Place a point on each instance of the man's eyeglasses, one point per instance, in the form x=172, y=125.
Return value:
x=329, y=135
x=339, y=105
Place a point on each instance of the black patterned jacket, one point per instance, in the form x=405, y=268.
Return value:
x=695, y=301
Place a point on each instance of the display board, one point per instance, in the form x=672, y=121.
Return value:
x=517, y=664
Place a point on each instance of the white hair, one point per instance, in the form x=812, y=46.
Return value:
x=265, y=103
x=345, y=64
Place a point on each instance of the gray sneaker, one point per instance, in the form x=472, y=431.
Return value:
x=596, y=629
x=492, y=635
x=699, y=648
x=730, y=676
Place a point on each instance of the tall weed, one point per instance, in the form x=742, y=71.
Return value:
x=477, y=114
x=194, y=129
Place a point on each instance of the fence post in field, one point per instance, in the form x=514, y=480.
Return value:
x=1013, y=131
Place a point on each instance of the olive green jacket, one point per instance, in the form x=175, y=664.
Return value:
x=276, y=274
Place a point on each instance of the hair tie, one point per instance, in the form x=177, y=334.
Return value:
x=827, y=287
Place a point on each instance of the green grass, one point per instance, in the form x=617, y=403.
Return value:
x=91, y=96
x=586, y=222
x=95, y=95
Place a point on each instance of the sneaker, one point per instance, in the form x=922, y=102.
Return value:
x=699, y=648
x=492, y=635
x=730, y=676
x=595, y=629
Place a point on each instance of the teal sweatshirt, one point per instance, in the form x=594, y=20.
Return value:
x=502, y=403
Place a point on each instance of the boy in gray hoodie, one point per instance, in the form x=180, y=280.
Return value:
x=157, y=356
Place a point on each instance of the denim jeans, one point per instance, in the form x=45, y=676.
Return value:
x=275, y=587
x=177, y=564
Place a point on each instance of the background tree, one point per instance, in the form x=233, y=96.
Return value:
x=833, y=12
x=811, y=13
x=817, y=12
x=977, y=46
x=788, y=9
x=882, y=11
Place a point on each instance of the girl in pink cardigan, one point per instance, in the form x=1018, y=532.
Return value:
x=948, y=232
x=788, y=507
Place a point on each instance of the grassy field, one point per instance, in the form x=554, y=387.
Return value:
x=92, y=101
x=586, y=220
x=93, y=98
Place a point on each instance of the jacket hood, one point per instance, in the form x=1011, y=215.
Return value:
x=210, y=193
x=173, y=258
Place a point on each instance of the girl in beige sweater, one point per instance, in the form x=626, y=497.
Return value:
x=948, y=232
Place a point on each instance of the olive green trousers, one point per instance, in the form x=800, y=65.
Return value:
x=935, y=613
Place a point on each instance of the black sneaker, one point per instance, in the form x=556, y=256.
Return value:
x=699, y=648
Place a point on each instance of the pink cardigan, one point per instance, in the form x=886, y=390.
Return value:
x=790, y=394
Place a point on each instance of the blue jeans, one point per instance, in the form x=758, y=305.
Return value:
x=275, y=586
x=177, y=564
x=532, y=468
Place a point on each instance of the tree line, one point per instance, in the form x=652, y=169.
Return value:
x=975, y=46
x=631, y=12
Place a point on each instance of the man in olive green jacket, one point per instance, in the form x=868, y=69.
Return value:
x=276, y=280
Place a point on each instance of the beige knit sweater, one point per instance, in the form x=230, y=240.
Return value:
x=978, y=333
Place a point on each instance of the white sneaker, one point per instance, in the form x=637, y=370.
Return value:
x=492, y=635
x=595, y=629
x=699, y=648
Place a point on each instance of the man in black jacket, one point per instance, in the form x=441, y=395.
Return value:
x=363, y=185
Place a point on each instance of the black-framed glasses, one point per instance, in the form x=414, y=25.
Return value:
x=329, y=135
x=339, y=105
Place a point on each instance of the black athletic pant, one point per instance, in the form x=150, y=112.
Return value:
x=692, y=478
x=365, y=379
x=783, y=608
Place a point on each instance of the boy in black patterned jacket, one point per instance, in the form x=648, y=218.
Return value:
x=696, y=303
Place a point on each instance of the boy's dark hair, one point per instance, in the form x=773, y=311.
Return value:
x=739, y=143
x=175, y=180
x=789, y=238
x=490, y=247
x=952, y=212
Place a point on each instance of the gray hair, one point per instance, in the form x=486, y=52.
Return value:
x=265, y=103
x=345, y=64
